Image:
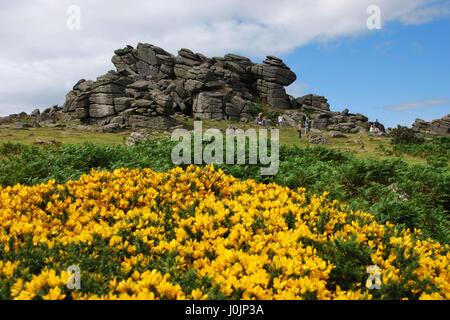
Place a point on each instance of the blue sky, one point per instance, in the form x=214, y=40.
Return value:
x=377, y=73
x=396, y=74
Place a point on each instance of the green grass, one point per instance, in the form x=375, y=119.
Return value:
x=359, y=174
x=362, y=183
x=289, y=137
x=60, y=135
x=371, y=145
x=374, y=147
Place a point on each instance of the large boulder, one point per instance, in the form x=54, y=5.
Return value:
x=122, y=103
x=441, y=126
x=103, y=98
x=274, y=70
x=272, y=76
x=82, y=113
x=320, y=124
x=346, y=126
x=100, y=111
x=209, y=105
x=112, y=127
x=312, y=102
x=358, y=118
x=277, y=97
x=21, y=125
x=292, y=117
x=318, y=139
x=421, y=125
x=6, y=119
x=337, y=119
x=149, y=82
x=337, y=134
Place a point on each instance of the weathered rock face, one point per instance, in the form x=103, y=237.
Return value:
x=439, y=126
x=312, y=102
x=209, y=105
x=337, y=134
x=316, y=109
x=150, y=85
x=272, y=76
x=292, y=117
x=149, y=82
x=317, y=139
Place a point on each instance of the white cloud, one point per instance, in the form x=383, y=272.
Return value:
x=41, y=58
x=412, y=105
x=427, y=13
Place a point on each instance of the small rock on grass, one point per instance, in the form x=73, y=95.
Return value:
x=135, y=137
x=319, y=140
x=337, y=134
x=45, y=142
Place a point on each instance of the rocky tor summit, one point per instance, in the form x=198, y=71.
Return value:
x=438, y=126
x=150, y=85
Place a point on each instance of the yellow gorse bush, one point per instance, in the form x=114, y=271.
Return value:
x=199, y=234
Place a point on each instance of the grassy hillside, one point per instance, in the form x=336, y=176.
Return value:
x=361, y=145
x=309, y=232
x=413, y=196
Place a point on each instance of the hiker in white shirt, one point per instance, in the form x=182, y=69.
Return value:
x=280, y=120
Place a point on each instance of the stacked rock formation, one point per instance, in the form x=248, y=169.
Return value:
x=150, y=84
x=439, y=126
x=317, y=109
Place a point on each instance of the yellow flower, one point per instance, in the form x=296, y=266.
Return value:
x=197, y=294
x=54, y=294
x=432, y=296
x=25, y=295
x=242, y=235
x=16, y=288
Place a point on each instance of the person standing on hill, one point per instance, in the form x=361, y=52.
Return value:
x=300, y=129
x=377, y=126
x=260, y=118
x=307, y=128
x=371, y=130
x=280, y=120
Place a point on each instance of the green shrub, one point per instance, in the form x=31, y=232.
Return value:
x=272, y=115
x=404, y=135
x=437, y=151
x=363, y=184
x=9, y=148
x=255, y=109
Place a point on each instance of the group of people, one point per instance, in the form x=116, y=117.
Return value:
x=374, y=128
x=261, y=120
x=280, y=119
x=307, y=125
